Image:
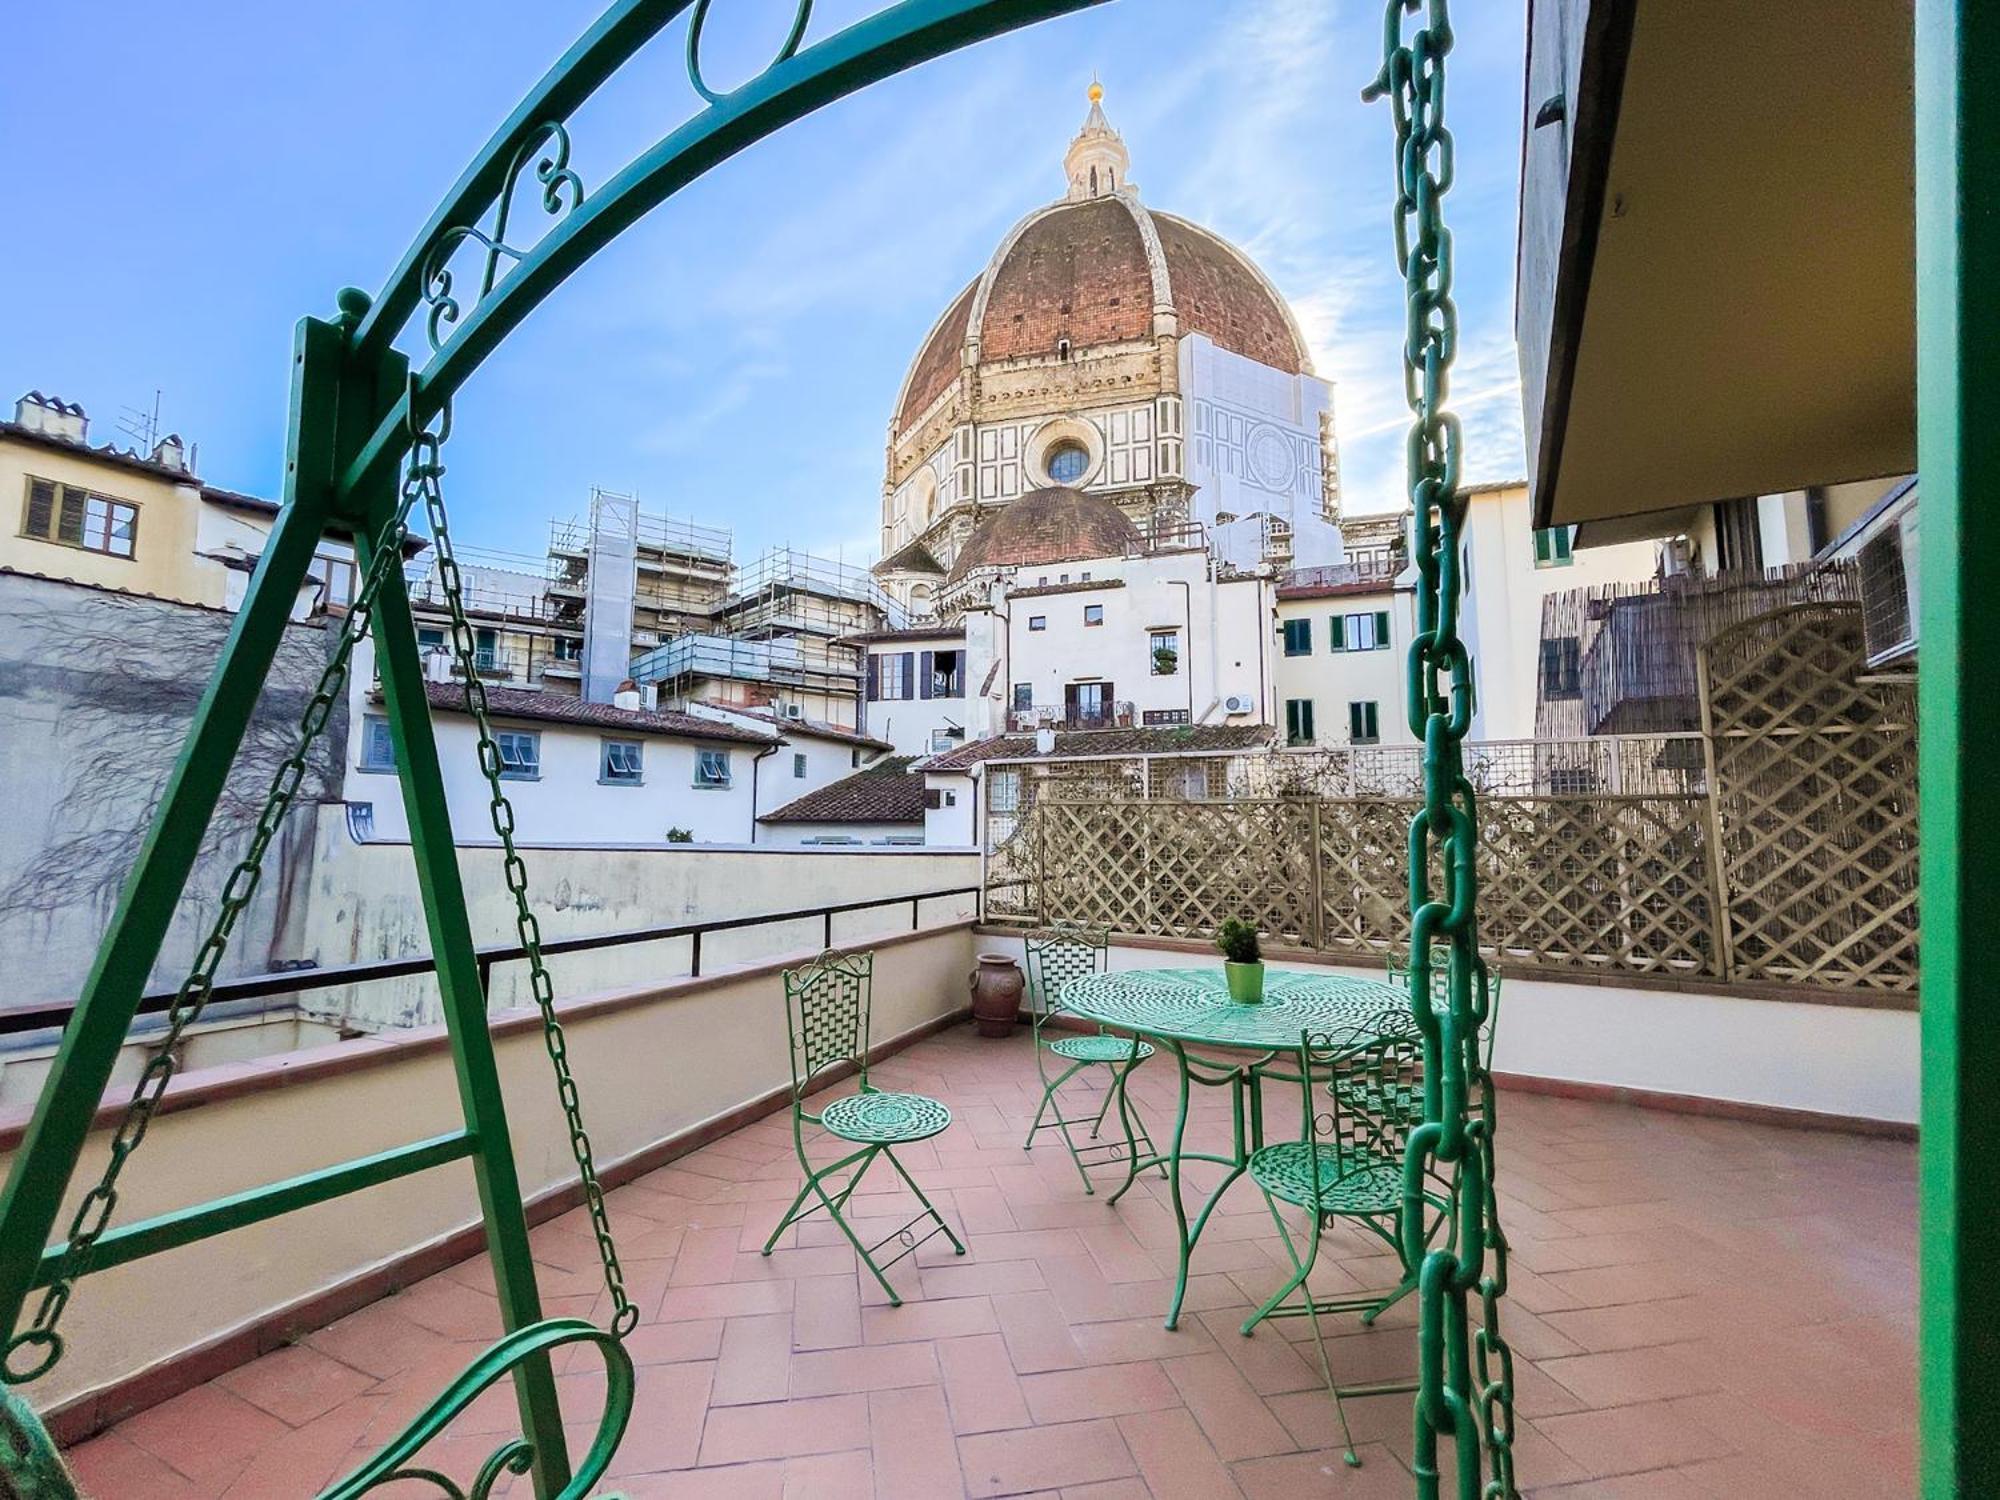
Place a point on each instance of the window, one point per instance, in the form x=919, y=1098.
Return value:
x=1062, y=578
x=946, y=674
x=1561, y=660
x=429, y=638
x=1088, y=705
x=335, y=577
x=1552, y=547
x=1362, y=728
x=1166, y=646
x=568, y=649
x=798, y=765
x=854, y=757
x=1298, y=638
x=1164, y=716
x=1298, y=721
x=73, y=517
x=711, y=768
x=892, y=676
x=520, y=754
x=936, y=799
x=1067, y=462
x=486, y=651
x=1038, y=622
x=378, y=748
x=1368, y=631
x=1093, y=614
x=621, y=763
x=1024, y=697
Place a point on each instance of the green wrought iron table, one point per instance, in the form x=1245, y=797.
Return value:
x=1180, y=1008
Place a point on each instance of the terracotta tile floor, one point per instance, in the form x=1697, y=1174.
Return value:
x=1701, y=1308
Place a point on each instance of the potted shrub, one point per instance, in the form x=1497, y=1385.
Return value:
x=1242, y=960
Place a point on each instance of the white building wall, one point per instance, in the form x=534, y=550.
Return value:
x=909, y=723
x=1223, y=630
x=951, y=824
x=1331, y=680
x=566, y=804
x=1502, y=610
x=779, y=780
x=1253, y=448
x=796, y=835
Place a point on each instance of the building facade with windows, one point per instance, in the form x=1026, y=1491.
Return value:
x=576, y=773
x=142, y=523
x=1343, y=637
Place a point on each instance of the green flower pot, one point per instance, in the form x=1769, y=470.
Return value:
x=1246, y=982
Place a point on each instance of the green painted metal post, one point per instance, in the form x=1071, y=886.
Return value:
x=464, y=998
x=1958, y=455
x=110, y=997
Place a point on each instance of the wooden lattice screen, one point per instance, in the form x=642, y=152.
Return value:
x=1815, y=774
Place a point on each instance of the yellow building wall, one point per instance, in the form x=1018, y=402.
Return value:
x=164, y=562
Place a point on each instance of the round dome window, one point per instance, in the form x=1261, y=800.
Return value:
x=1067, y=462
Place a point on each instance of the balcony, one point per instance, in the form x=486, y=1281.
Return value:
x=1121, y=714
x=1700, y=1306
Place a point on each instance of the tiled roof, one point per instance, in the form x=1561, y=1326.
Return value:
x=937, y=363
x=886, y=792
x=1051, y=525
x=911, y=557
x=1351, y=588
x=815, y=727
x=913, y=633
x=1159, y=740
x=1090, y=586
x=554, y=708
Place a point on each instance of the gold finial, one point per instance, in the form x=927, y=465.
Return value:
x=1096, y=89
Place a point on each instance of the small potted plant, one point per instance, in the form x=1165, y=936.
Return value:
x=1242, y=960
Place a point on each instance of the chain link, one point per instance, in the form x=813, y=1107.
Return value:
x=1465, y=1379
x=422, y=481
x=93, y=1213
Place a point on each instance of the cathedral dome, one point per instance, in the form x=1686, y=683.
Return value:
x=1052, y=525
x=1098, y=268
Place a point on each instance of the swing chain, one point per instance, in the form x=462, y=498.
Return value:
x=94, y=1212
x=1455, y=1142
x=422, y=481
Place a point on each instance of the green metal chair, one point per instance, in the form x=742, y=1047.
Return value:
x=1057, y=955
x=826, y=1015
x=1398, y=966
x=1362, y=1094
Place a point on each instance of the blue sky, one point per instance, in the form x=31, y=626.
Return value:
x=193, y=177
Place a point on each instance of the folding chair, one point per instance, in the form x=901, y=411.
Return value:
x=1057, y=955
x=826, y=1016
x=1363, y=1092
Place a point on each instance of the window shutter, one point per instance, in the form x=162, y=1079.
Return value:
x=1354, y=721
x=874, y=675
x=1338, y=631
x=925, y=662
x=909, y=668
x=1306, y=720
x=41, y=518
x=70, y=527
x=1381, y=630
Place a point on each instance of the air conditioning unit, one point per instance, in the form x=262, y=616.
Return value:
x=438, y=665
x=1888, y=561
x=1237, y=703
x=794, y=711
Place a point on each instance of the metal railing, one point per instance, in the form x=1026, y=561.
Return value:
x=306, y=976
x=1122, y=714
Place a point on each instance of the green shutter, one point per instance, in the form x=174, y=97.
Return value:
x=41, y=519
x=1381, y=630
x=1339, y=632
x=69, y=527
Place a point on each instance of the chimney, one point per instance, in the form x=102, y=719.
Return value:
x=627, y=697
x=171, y=453
x=51, y=414
x=1045, y=741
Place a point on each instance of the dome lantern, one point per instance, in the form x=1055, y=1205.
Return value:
x=1097, y=163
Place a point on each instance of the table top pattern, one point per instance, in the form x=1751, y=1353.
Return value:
x=1193, y=1005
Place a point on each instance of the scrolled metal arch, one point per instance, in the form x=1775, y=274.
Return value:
x=516, y=1456
x=876, y=47
x=790, y=49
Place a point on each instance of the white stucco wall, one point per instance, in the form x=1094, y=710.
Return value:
x=1503, y=607
x=567, y=804
x=1223, y=628
x=1331, y=680
x=909, y=723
